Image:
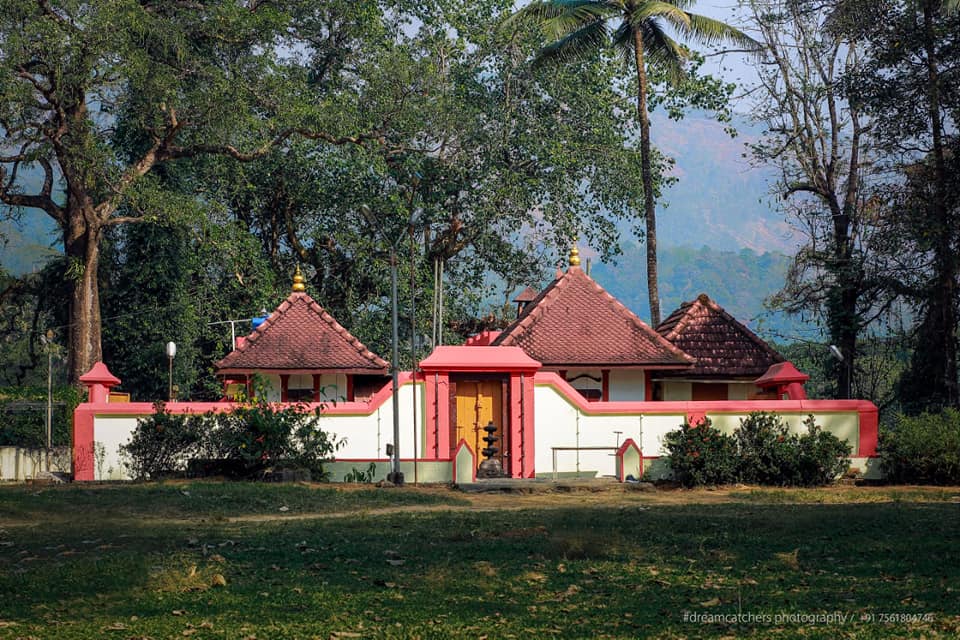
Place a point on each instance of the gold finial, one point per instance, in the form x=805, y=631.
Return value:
x=574, y=256
x=298, y=285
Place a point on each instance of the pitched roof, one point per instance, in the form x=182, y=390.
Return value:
x=526, y=295
x=300, y=336
x=722, y=346
x=575, y=322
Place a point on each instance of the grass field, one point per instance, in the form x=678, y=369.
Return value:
x=244, y=561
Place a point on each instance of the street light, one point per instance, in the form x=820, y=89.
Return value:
x=395, y=476
x=838, y=354
x=47, y=341
x=171, y=352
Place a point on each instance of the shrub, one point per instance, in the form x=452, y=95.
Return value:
x=259, y=435
x=766, y=450
x=163, y=443
x=922, y=449
x=821, y=456
x=23, y=416
x=700, y=455
x=761, y=451
x=242, y=443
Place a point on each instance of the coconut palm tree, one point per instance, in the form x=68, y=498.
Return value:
x=638, y=30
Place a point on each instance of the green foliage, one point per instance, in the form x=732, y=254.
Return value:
x=243, y=443
x=257, y=436
x=23, y=416
x=701, y=455
x=766, y=451
x=163, y=443
x=761, y=451
x=361, y=476
x=168, y=282
x=922, y=449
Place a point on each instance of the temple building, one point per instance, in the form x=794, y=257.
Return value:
x=730, y=358
x=578, y=330
x=303, y=355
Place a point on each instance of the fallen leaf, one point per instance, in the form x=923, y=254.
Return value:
x=284, y=508
x=116, y=626
x=789, y=559
x=178, y=612
x=394, y=563
x=218, y=580
x=712, y=602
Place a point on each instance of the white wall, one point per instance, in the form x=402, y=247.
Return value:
x=561, y=424
x=677, y=391
x=19, y=464
x=366, y=435
x=627, y=384
x=333, y=386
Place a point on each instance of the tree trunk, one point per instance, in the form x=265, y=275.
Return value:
x=943, y=305
x=82, y=246
x=653, y=289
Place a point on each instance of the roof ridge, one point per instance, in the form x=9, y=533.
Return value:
x=757, y=340
x=534, y=309
x=647, y=329
x=313, y=307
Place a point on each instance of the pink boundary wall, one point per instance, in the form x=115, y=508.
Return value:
x=99, y=381
x=98, y=405
x=696, y=411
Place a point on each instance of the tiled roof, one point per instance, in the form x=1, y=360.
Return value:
x=722, y=346
x=300, y=336
x=575, y=322
x=526, y=295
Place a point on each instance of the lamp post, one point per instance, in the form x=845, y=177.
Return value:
x=395, y=476
x=48, y=343
x=171, y=352
x=838, y=354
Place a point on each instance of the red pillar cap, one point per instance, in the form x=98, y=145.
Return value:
x=99, y=374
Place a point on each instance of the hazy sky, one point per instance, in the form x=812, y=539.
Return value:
x=733, y=67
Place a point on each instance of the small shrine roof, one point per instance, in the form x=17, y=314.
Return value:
x=574, y=322
x=722, y=345
x=301, y=336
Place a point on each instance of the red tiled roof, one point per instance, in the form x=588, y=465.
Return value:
x=722, y=346
x=526, y=295
x=574, y=322
x=300, y=336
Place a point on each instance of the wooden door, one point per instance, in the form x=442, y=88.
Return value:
x=477, y=404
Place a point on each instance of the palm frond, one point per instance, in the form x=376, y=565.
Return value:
x=622, y=40
x=577, y=45
x=710, y=31
x=662, y=51
x=557, y=18
x=653, y=9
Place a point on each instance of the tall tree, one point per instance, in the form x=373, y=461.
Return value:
x=101, y=95
x=820, y=141
x=500, y=165
x=637, y=30
x=909, y=88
